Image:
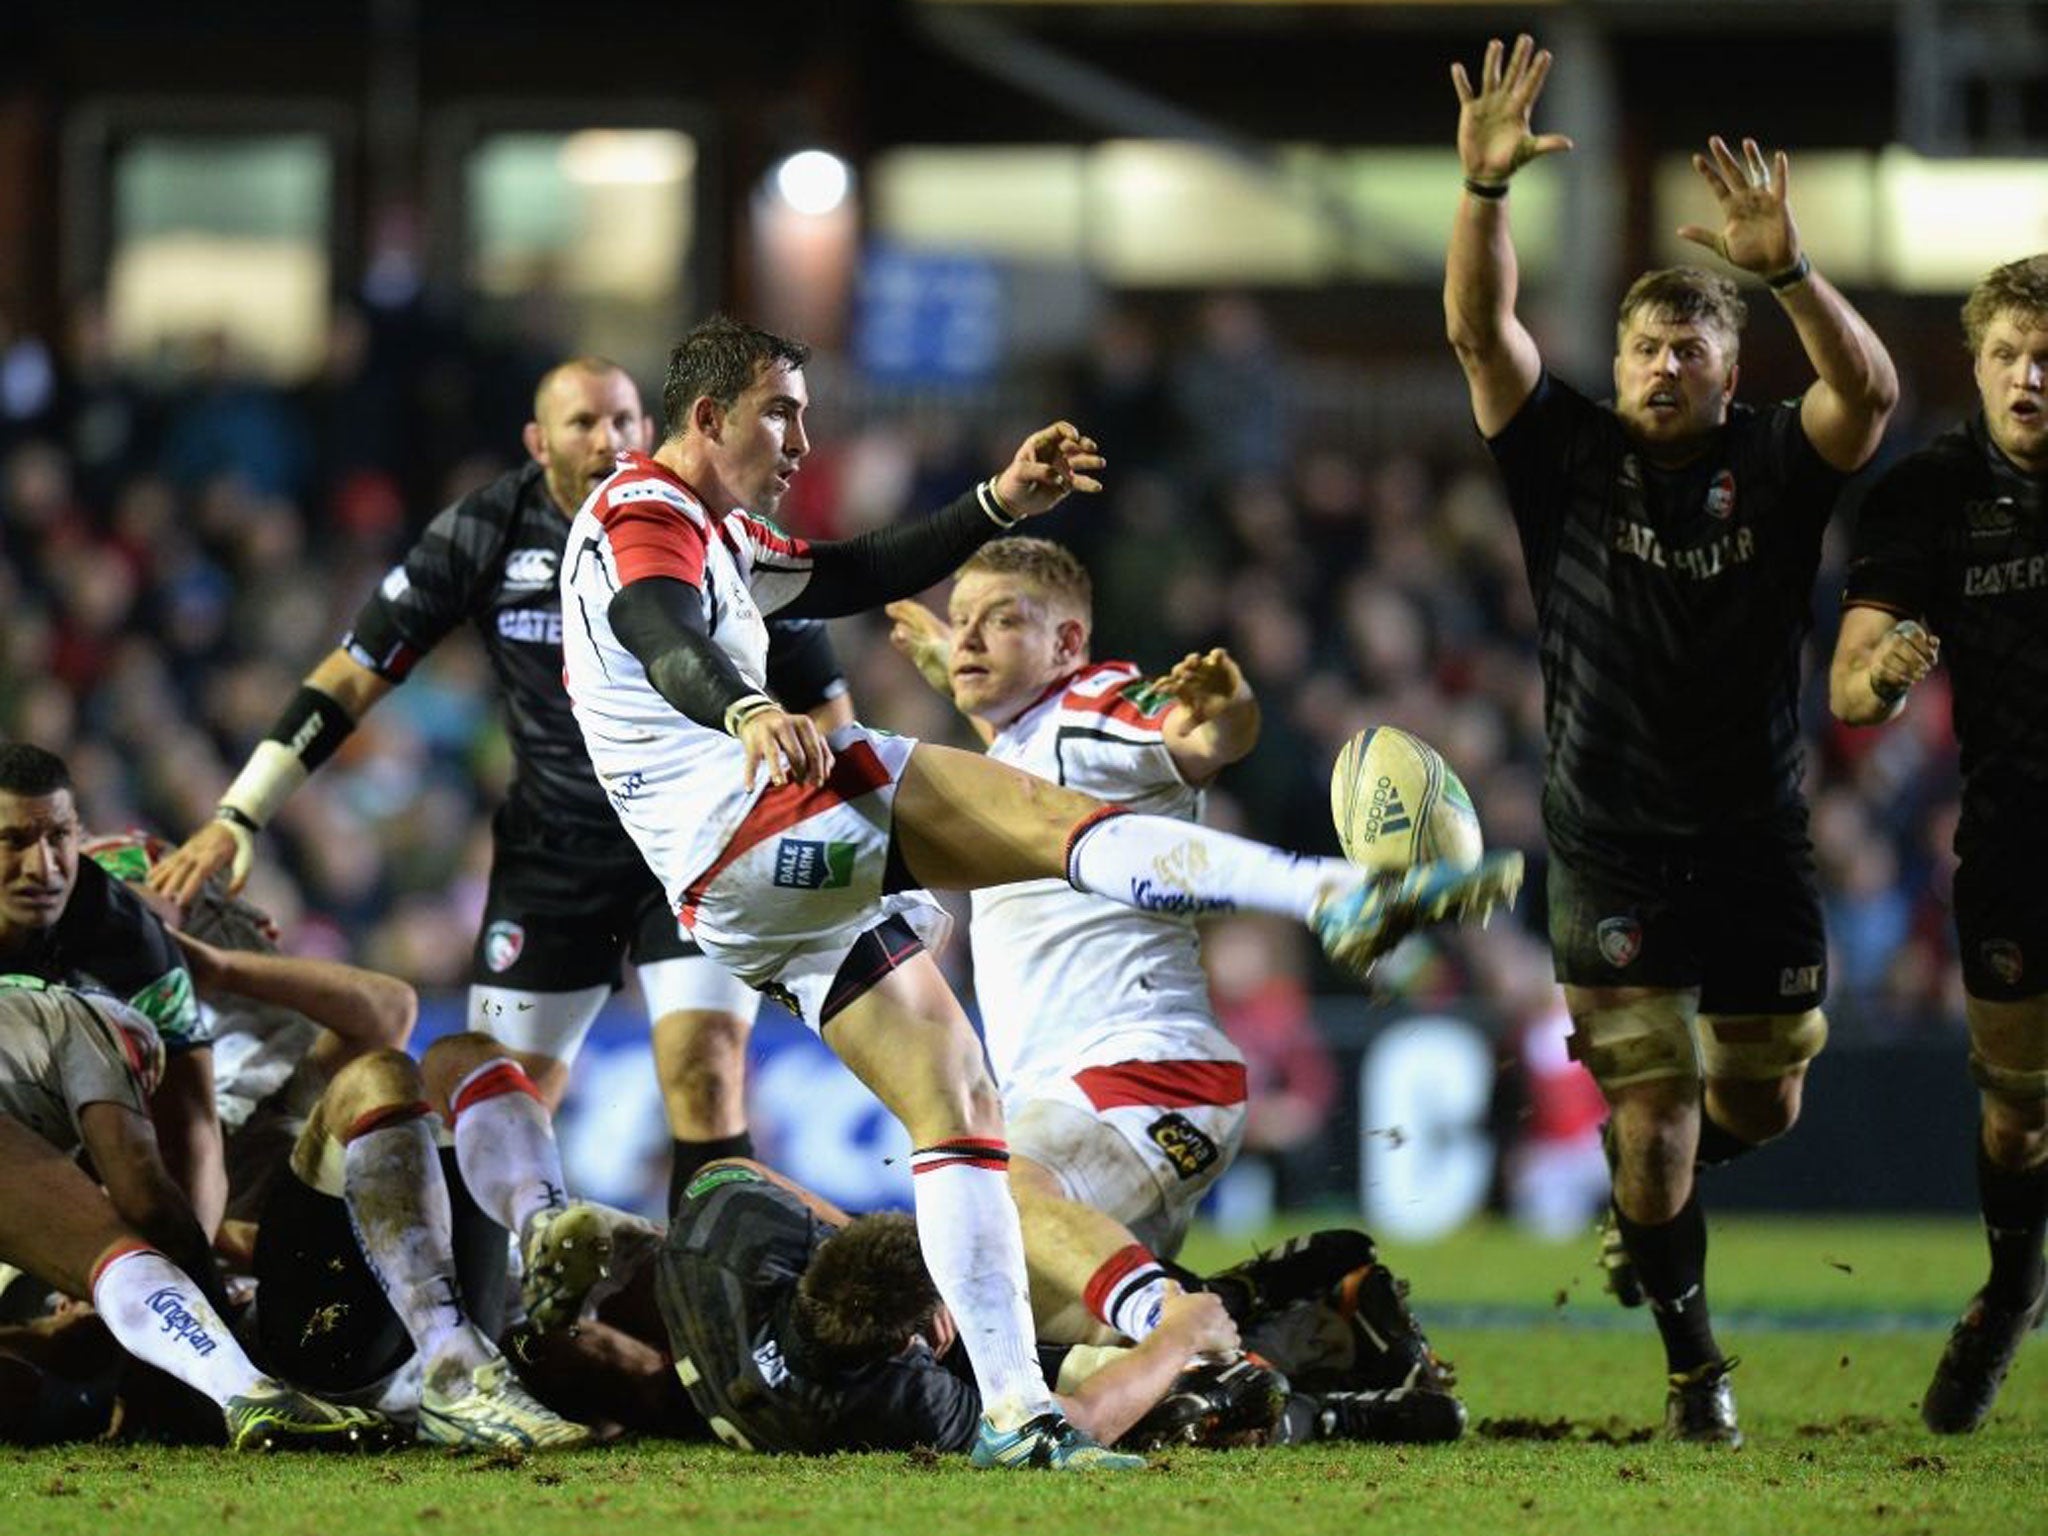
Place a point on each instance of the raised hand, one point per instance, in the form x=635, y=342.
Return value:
x=1757, y=233
x=215, y=846
x=1052, y=461
x=1494, y=136
x=926, y=639
x=1205, y=684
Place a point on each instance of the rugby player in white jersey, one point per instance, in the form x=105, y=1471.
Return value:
x=1121, y=1093
x=799, y=865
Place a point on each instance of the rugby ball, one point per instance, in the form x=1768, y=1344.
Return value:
x=1396, y=802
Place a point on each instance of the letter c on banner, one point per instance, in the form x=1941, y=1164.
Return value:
x=1425, y=1158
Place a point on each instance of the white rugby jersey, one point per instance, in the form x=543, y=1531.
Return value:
x=1065, y=979
x=678, y=787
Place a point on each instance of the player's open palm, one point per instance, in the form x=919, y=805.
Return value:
x=926, y=639
x=1051, y=462
x=1494, y=135
x=1204, y=684
x=1757, y=233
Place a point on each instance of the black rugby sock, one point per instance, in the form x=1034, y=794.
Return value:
x=2015, y=1205
x=1671, y=1262
x=1718, y=1144
x=686, y=1157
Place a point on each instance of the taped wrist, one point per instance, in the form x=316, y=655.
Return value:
x=308, y=733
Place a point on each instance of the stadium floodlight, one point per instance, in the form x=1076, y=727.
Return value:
x=813, y=181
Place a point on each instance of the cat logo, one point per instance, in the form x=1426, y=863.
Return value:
x=1190, y=1152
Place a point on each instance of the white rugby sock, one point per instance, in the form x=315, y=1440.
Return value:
x=1158, y=864
x=398, y=1203
x=967, y=1228
x=156, y=1311
x=505, y=1145
x=1128, y=1291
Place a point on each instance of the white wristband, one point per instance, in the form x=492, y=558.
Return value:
x=742, y=709
x=265, y=782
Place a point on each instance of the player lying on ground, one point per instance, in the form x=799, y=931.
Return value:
x=569, y=900
x=796, y=1330
x=1951, y=560
x=75, y=1074
x=1671, y=539
x=1123, y=1100
x=801, y=865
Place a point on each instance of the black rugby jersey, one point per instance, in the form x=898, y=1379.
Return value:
x=726, y=1284
x=1957, y=536
x=109, y=941
x=494, y=558
x=1671, y=604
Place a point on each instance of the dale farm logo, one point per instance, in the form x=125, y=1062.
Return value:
x=504, y=943
x=804, y=865
x=1620, y=940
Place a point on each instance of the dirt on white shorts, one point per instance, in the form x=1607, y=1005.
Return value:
x=1142, y=1141
x=806, y=875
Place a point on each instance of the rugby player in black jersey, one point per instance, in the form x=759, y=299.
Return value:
x=1671, y=539
x=1951, y=559
x=569, y=894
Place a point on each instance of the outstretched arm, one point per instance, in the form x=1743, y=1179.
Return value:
x=1878, y=658
x=1215, y=717
x=334, y=696
x=1845, y=412
x=926, y=640
x=857, y=574
x=1481, y=278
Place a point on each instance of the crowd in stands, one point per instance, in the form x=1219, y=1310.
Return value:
x=176, y=552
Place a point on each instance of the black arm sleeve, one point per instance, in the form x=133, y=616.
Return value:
x=661, y=621
x=803, y=669
x=854, y=575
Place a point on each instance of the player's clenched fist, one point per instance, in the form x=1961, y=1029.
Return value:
x=1905, y=655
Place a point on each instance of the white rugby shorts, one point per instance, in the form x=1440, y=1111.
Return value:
x=1142, y=1141
x=802, y=878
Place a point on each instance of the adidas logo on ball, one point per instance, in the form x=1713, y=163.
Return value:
x=1396, y=802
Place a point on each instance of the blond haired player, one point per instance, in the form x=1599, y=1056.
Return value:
x=798, y=864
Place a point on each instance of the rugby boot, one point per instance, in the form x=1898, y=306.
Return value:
x=573, y=1256
x=1980, y=1351
x=1048, y=1442
x=1402, y=1416
x=1359, y=924
x=275, y=1417
x=1231, y=1400
x=1300, y=1269
x=1393, y=1352
x=491, y=1410
x=1701, y=1405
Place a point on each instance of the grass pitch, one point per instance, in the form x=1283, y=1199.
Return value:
x=1838, y=1325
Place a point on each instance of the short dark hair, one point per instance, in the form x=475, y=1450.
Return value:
x=29, y=770
x=866, y=1292
x=1687, y=296
x=721, y=358
x=2020, y=287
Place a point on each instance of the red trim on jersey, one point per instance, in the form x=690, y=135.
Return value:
x=651, y=538
x=857, y=771
x=383, y=1116
x=1163, y=1084
x=1113, y=703
x=773, y=539
x=491, y=1082
x=1103, y=1285
x=114, y=1255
